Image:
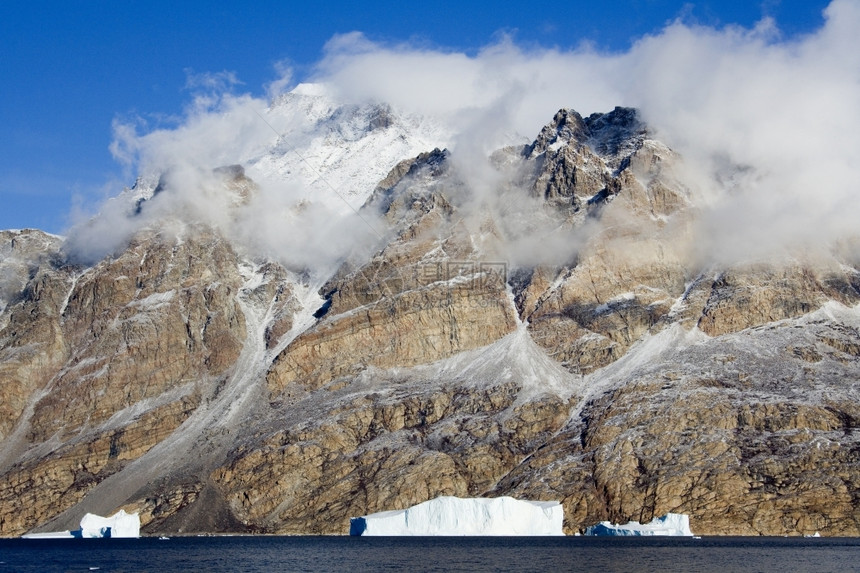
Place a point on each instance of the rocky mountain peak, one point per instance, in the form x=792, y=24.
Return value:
x=616, y=134
x=566, y=126
x=578, y=161
x=607, y=134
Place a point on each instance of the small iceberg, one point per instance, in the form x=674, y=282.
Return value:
x=456, y=516
x=118, y=525
x=671, y=524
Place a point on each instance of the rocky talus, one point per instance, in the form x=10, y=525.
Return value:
x=213, y=390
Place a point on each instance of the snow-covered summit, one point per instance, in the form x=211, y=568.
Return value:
x=340, y=151
x=308, y=89
x=326, y=150
x=249, y=172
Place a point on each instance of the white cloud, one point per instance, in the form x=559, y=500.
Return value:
x=779, y=118
x=279, y=85
x=768, y=126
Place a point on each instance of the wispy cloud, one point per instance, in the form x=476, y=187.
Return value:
x=214, y=81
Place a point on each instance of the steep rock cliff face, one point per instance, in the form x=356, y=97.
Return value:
x=39, y=488
x=102, y=363
x=161, y=314
x=212, y=391
x=631, y=270
x=32, y=342
x=425, y=296
x=22, y=252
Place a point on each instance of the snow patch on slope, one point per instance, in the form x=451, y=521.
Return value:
x=761, y=356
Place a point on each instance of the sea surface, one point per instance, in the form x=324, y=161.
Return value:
x=551, y=554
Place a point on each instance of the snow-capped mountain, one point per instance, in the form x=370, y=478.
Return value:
x=335, y=152
x=539, y=325
x=341, y=152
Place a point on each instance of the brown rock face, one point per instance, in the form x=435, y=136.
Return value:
x=383, y=443
x=103, y=363
x=632, y=270
x=424, y=297
x=22, y=252
x=745, y=297
x=42, y=487
x=605, y=304
x=413, y=328
x=184, y=380
x=33, y=344
x=161, y=314
x=716, y=431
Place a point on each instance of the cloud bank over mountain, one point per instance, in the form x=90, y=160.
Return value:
x=767, y=125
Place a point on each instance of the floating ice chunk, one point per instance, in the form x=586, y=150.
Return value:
x=51, y=535
x=671, y=524
x=470, y=516
x=120, y=524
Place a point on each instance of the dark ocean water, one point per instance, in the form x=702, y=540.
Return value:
x=782, y=555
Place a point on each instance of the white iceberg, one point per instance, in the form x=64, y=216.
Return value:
x=51, y=535
x=118, y=525
x=456, y=516
x=671, y=524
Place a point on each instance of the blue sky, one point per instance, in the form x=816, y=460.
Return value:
x=69, y=69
